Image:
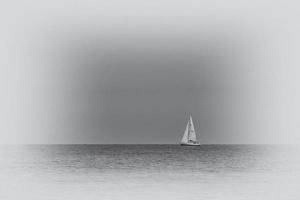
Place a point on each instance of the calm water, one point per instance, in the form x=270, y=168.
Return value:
x=150, y=172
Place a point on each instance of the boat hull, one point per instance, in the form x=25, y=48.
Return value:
x=186, y=144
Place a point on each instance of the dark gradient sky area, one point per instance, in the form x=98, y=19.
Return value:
x=124, y=90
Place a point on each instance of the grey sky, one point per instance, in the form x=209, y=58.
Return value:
x=132, y=72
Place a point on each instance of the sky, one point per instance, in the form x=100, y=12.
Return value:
x=113, y=72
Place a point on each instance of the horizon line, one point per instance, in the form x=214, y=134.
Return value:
x=3, y=144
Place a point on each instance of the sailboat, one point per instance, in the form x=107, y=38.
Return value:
x=189, y=137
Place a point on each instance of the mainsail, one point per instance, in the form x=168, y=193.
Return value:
x=189, y=135
x=192, y=135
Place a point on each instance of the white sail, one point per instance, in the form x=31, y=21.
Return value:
x=185, y=137
x=192, y=135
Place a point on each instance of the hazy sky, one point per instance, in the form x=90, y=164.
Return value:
x=133, y=71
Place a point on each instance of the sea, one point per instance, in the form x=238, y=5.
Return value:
x=114, y=172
